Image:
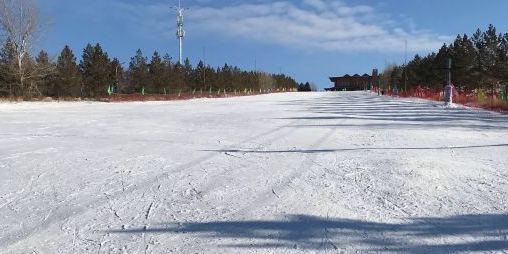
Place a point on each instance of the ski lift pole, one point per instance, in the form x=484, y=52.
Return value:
x=448, y=89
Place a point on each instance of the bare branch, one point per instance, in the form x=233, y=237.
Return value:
x=19, y=20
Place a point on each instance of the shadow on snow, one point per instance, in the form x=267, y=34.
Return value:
x=355, y=110
x=355, y=149
x=421, y=235
x=385, y=112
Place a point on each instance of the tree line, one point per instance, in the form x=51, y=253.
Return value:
x=96, y=75
x=479, y=61
x=307, y=87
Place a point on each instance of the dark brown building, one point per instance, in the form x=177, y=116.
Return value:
x=353, y=83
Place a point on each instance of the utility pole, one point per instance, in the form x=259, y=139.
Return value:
x=448, y=89
x=116, y=76
x=405, y=70
x=448, y=67
x=204, y=67
x=384, y=74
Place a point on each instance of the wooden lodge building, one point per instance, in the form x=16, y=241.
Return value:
x=353, y=83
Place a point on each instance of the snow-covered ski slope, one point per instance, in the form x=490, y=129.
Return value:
x=280, y=173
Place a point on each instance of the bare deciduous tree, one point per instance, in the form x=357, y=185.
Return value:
x=20, y=25
x=385, y=77
x=265, y=81
x=314, y=87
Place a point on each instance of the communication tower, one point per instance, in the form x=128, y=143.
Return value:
x=180, y=32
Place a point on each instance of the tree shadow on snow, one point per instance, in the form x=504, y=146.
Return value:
x=421, y=235
x=385, y=112
x=354, y=149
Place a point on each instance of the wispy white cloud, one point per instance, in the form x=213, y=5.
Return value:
x=318, y=4
x=308, y=25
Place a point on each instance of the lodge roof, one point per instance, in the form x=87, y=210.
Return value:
x=349, y=76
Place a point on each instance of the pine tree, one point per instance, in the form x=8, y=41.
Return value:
x=188, y=70
x=95, y=68
x=236, y=79
x=168, y=81
x=118, y=76
x=178, y=74
x=463, y=54
x=68, y=77
x=43, y=74
x=198, y=75
x=491, y=40
x=157, y=73
x=138, y=72
x=210, y=77
x=443, y=54
x=502, y=61
x=227, y=77
x=307, y=87
x=396, y=78
x=7, y=67
x=479, y=70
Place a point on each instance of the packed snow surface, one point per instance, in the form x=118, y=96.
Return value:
x=279, y=173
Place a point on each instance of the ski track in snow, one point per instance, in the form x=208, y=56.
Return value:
x=281, y=173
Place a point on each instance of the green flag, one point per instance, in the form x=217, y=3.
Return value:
x=143, y=90
x=503, y=96
x=218, y=92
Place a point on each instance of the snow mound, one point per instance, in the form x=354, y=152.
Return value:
x=448, y=106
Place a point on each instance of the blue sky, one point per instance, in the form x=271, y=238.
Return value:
x=308, y=39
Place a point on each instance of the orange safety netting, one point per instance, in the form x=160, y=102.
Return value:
x=478, y=98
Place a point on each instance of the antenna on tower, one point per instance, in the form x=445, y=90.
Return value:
x=180, y=33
